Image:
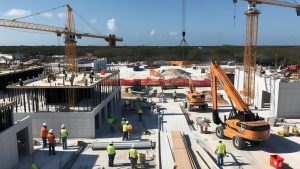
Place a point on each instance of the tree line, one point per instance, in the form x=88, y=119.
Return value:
x=269, y=55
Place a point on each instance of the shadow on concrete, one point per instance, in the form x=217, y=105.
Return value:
x=85, y=161
x=149, y=122
x=276, y=144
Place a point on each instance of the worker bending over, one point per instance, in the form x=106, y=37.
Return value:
x=221, y=152
x=111, y=151
x=133, y=157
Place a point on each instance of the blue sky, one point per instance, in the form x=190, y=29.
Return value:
x=153, y=22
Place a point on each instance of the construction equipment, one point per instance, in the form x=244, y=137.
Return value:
x=69, y=31
x=251, y=42
x=242, y=125
x=195, y=98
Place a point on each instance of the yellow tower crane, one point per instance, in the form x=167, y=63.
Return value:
x=251, y=42
x=69, y=31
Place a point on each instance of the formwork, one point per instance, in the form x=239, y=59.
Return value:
x=6, y=115
x=42, y=95
x=12, y=76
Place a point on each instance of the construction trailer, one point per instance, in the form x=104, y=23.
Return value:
x=15, y=137
x=274, y=91
x=83, y=107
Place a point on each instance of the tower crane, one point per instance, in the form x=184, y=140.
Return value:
x=70, y=35
x=251, y=42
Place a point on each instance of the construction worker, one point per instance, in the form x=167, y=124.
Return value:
x=51, y=142
x=129, y=129
x=34, y=166
x=63, y=135
x=125, y=131
x=140, y=112
x=43, y=134
x=221, y=152
x=110, y=121
x=133, y=156
x=111, y=151
x=174, y=96
x=122, y=123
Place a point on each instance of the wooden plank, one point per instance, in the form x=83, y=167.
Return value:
x=182, y=159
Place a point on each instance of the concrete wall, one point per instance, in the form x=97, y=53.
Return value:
x=8, y=148
x=288, y=100
x=79, y=124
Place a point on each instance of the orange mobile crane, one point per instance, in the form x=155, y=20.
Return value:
x=69, y=31
x=242, y=125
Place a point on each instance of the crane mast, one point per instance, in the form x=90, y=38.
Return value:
x=69, y=32
x=251, y=42
x=250, y=53
x=70, y=42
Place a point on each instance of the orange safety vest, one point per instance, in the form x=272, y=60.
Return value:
x=43, y=132
x=51, y=138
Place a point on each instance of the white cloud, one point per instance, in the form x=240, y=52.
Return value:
x=47, y=15
x=173, y=33
x=17, y=13
x=93, y=20
x=111, y=24
x=152, y=32
x=61, y=15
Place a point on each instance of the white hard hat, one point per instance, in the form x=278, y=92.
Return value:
x=111, y=142
x=127, y=122
x=132, y=145
x=50, y=131
x=123, y=118
x=44, y=124
x=63, y=126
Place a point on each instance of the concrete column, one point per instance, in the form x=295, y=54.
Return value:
x=105, y=111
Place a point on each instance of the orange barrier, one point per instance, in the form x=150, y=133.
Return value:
x=180, y=82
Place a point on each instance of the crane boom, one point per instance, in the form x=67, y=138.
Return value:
x=47, y=28
x=276, y=3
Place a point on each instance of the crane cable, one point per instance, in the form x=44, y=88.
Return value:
x=38, y=13
x=86, y=22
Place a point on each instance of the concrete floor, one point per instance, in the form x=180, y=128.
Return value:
x=251, y=157
x=99, y=159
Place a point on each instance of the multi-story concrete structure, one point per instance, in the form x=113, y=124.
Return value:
x=82, y=106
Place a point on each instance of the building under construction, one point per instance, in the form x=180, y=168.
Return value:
x=15, y=137
x=82, y=104
x=11, y=75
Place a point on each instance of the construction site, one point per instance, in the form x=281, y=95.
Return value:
x=166, y=114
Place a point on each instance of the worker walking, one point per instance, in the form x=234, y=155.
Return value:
x=133, y=157
x=221, y=152
x=43, y=134
x=51, y=142
x=174, y=96
x=111, y=151
x=140, y=112
x=125, y=131
x=63, y=135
